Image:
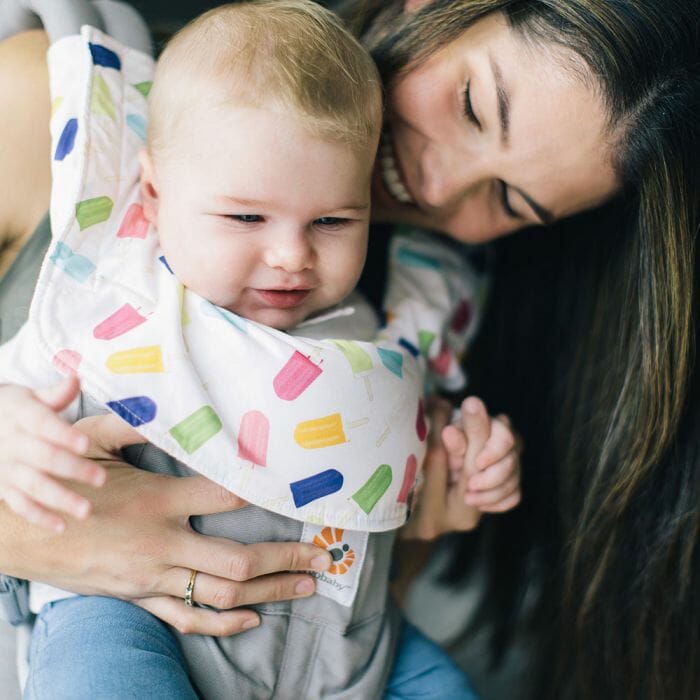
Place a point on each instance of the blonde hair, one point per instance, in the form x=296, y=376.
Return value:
x=291, y=56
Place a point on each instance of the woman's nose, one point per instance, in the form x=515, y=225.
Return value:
x=448, y=178
x=290, y=251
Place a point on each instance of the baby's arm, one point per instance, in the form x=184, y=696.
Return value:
x=486, y=465
x=39, y=445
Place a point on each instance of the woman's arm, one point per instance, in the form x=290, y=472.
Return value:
x=138, y=545
x=25, y=176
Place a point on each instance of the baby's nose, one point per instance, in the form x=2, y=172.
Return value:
x=290, y=251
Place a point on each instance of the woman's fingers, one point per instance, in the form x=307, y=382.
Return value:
x=197, y=495
x=239, y=562
x=196, y=620
x=225, y=594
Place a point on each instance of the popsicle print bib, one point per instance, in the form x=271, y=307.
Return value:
x=329, y=432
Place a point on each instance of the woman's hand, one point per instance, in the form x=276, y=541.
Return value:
x=138, y=545
x=468, y=470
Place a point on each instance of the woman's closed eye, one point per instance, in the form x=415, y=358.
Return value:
x=505, y=202
x=467, y=107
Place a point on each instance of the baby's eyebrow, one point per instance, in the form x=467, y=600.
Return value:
x=259, y=203
x=242, y=201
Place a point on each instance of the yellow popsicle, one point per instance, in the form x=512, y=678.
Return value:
x=136, y=360
x=320, y=432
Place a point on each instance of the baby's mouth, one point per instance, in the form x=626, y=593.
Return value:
x=390, y=172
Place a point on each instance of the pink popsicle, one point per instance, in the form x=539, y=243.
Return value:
x=295, y=377
x=421, y=425
x=462, y=316
x=253, y=436
x=409, y=477
x=122, y=320
x=134, y=224
x=67, y=361
x=441, y=364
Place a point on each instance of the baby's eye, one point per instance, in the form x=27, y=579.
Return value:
x=331, y=221
x=246, y=218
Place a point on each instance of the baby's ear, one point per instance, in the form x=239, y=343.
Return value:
x=149, y=188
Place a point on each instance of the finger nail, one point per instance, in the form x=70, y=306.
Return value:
x=320, y=563
x=82, y=510
x=472, y=405
x=250, y=623
x=304, y=587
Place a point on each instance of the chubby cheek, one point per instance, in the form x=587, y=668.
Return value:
x=347, y=268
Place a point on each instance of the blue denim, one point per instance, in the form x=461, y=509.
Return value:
x=92, y=647
x=423, y=670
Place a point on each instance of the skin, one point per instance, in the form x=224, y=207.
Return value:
x=25, y=178
x=272, y=244
x=452, y=165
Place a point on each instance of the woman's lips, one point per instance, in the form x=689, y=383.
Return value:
x=391, y=175
x=283, y=298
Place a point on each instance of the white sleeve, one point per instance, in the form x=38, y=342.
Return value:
x=433, y=303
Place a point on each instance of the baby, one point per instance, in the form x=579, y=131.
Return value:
x=253, y=215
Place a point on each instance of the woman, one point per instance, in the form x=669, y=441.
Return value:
x=619, y=357
x=504, y=114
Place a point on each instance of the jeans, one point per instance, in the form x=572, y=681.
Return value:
x=92, y=647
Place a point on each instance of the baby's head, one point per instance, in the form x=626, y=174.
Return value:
x=264, y=123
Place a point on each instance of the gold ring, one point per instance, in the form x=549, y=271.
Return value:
x=190, y=588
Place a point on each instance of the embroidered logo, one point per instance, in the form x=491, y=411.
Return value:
x=331, y=539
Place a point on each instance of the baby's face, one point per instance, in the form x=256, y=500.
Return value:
x=260, y=217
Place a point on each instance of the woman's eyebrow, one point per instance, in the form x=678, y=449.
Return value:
x=503, y=100
x=503, y=106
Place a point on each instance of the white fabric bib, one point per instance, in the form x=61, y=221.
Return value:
x=324, y=431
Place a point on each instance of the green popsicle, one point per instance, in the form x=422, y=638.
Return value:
x=359, y=360
x=101, y=100
x=192, y=432
x=93, y=211
x=374, y=488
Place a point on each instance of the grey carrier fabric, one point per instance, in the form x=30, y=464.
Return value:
x=303, y=649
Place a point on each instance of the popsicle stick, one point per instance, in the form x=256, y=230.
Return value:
x=358, y=423
x=382, y=438
x=368, y=388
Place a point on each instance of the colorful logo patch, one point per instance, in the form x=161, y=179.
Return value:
x=347, y=548
x=331, y=539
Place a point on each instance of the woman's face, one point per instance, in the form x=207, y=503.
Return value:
x=492, y=134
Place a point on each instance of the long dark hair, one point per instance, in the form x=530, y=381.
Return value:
x=590, y=346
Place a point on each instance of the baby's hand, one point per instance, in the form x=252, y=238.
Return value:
x=35, y=443
x=483, y=454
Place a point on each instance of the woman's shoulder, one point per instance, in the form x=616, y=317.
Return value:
x=25, y=176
